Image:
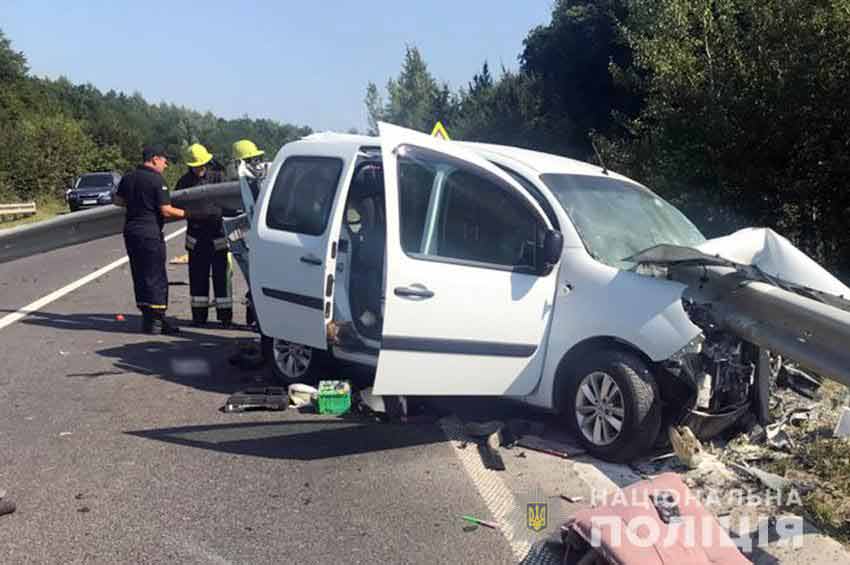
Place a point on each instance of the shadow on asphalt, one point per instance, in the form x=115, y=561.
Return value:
x=321, y=438
x=194, y=358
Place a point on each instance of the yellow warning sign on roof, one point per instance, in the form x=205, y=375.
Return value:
x=440, y=131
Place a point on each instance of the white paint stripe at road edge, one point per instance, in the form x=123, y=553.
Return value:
x=10, y=319
x=496, y=494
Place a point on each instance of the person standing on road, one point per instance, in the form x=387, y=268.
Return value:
x=145, y=196
x=207, y=246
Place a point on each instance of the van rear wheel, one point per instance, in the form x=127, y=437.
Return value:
x=612, y=405
x=293, y=362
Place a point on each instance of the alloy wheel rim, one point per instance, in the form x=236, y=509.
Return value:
x=600, y=410
x=292, y=359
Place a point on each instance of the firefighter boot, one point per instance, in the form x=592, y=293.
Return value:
x=163, y=326
x=147, y=320
x=200, y=316
x=225, y=316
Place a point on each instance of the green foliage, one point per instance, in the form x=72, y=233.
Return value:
x=414, y=99
x=52, y=130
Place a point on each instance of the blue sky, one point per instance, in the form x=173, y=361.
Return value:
x=305, y=62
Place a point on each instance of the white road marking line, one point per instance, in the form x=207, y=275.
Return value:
x=497, y=496
x=10, y=319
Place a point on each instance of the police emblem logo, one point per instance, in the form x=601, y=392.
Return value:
x=537, y=516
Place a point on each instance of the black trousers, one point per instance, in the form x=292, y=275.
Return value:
x=203, y=259
x=147, y=266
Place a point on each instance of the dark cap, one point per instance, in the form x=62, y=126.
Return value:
x=151, y=151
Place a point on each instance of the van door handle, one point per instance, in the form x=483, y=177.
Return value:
x=413, y=291
x=311, y=260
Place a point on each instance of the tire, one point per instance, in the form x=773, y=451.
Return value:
x=294, y=363
x=630, y=397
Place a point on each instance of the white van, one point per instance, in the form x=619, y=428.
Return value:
x=468, y=269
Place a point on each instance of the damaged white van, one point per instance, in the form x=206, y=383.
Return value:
x=467, y=269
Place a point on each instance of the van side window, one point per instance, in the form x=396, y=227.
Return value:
x=303, y=194
x=455, y=211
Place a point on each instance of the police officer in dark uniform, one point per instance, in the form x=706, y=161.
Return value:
x=207, y=245
x=145, y=196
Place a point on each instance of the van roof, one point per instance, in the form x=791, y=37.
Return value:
x=538, y=161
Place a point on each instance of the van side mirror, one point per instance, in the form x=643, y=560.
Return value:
x=553, y=246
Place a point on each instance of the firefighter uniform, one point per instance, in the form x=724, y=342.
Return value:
x=144, y=191
x=207, y=247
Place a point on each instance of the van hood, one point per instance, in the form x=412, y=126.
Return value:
x=759, y=252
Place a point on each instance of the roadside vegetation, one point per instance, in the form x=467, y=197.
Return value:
x=735, y=110
x=51, y=131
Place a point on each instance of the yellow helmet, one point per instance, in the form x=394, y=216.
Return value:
x=245, y=149
x=197, y=155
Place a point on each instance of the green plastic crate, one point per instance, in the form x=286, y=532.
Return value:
x=334, y=397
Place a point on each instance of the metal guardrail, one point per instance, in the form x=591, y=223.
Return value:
x=103, y=221
x=13, y=211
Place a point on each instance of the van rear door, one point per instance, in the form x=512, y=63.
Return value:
x=293, y=247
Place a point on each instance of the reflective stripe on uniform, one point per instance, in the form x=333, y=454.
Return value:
x=200, y=301
x=224, y=303
x=220, y=243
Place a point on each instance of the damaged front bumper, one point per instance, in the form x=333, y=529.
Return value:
x=761, y=305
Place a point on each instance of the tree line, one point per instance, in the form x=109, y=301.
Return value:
x=734, y=110
x=52, y=130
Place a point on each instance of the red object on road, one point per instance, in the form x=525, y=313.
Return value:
x=631, y=527
x=119, y=317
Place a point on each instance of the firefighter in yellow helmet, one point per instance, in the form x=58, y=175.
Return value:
x=207, y=244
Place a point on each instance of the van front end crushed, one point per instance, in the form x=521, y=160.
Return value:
x=762, y=309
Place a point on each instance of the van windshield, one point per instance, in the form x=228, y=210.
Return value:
x=617, y=219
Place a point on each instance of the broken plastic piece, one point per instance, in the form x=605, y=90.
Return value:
x=687, y=447
x=302, y=395
x=573, y=499
x=269, y=398
x=490, y=457
x=6, y=506
x=479, y=522
x=842, y=428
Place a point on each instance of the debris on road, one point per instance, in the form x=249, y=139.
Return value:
x=573, y=499
x=842, y=428
x=686, y=446
x=269, y=398
x=7, y=506
x=554, y=447
x=482, y=429
x=302, y=395
x=479, y=522
x=490, y=457
x=65, y=434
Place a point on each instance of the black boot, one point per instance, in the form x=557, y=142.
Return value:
x=147, y=320
x=199, y=316
x=163, y=326
x=225, y=316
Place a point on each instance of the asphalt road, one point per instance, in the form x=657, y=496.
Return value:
x=114, y=448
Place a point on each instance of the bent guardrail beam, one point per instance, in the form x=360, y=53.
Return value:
x=104, y=221
x=811, y=333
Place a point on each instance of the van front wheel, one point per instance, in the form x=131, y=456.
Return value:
x=293, y=362
x=612, y=405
